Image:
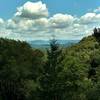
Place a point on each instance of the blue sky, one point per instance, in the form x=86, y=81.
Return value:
x=73, y=7
x=40, y=19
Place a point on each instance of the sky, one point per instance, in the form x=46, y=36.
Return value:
x=40, y=19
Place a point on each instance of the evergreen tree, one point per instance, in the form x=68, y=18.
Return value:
x=96, y=33
x=50, y=84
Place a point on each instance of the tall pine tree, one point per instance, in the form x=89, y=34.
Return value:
x=50, y=84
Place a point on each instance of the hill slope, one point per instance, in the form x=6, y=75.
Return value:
x=78, y=72
x=85, y=48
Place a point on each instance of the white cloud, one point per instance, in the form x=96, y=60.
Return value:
x=61, y=20
x=31, y=21
x=97, y=10
x=43, y=22
x=90, y=18
x=1, y=21
x=32, y=10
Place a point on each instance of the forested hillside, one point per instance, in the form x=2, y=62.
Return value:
x=71, y=73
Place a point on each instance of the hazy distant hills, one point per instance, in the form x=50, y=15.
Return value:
x=45, y=43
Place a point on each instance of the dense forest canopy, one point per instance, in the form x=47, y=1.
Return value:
x=71, y=73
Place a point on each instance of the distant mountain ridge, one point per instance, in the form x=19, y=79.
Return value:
x=45, y=43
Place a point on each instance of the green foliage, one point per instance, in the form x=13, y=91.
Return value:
x=72, y=73
x=49, y=81
x=86, y=57
x=19, y=65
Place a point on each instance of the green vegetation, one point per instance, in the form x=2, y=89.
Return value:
x=19, y=68
x=72, y=73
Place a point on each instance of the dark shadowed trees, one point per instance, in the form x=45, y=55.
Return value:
x=19, y=67
x=51, y=86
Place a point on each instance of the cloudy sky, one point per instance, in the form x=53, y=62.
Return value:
x=39, y=20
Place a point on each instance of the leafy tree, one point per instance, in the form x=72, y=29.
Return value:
x=75, y=79
x=18, y=66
